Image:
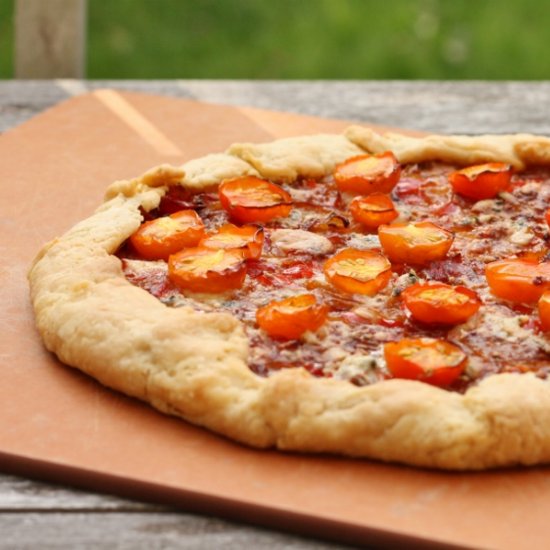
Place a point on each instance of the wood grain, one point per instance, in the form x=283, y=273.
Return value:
x=451, y=107
x=50, y=38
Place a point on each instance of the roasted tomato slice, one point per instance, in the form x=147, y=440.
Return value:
x=483, y=181
x=250, y=199
x=438, y=303
x=518, y=280
x=373, y=210
x=366, y=174
x=358, y=271
x=288, y=319
x=430, y=360
x=544, y=311
x=207, y=270
x=157, y=239
x=249, y=239
x=415, y=243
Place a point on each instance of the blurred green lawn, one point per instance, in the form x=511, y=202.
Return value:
x=310, y=39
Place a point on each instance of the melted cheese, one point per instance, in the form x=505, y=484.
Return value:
x=298, y=240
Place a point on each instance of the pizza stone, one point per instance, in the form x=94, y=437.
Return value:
x=194, y=364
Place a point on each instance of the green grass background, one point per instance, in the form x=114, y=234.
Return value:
x=311, y=39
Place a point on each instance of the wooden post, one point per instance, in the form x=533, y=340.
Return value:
x=50, y=38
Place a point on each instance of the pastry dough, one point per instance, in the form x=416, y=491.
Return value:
x=194, y=365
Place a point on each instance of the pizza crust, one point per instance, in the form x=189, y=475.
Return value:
x=194, y=365
x=206, y=172
x=291, y=158
x=519, y=150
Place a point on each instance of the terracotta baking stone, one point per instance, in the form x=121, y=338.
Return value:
x=57, y=424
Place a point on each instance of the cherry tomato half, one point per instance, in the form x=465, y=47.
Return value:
x=518, y=280
x=358, y=271
x=157, y=239
x=207, y=270
x=415, y=243
x=289, y=318
x=430, y=360
x=544, y=311
x=438, y=303
x=249, y=239
x=373, y=210
x=250, y=199
x=483, y=181
x=365, y=174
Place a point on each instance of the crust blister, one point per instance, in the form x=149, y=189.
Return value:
x=193, y=365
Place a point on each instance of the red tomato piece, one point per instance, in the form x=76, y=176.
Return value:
x=358, y=271
x=366, y=174
x=415, y=243
x=249, y=239
x=483, y=181
x=518, y=280
x=207, y=270
x=544, y=311
x=429, y=360
x=288, y=319
x=250, y=199
x=547, y=217
x=439, y=303
x=159, y=238
x=373, y=210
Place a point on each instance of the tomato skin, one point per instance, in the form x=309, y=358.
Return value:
x=159, y=238
x=288, y=319
x=415, y=243
x=518, y=280
x=439, y=303
x=249, y=239
x=358, y=271
x=250, y=199
x=547, y=217
x=373, y=210
x=207, y=270
x=544, y=311
x=429, y=360
x=483, y=181
x=366, y=174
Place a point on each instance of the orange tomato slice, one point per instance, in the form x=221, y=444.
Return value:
x=366, y=174
x=157, y=239
x=544, y=311
x=438, y=303
x=288, y=319
x=518, y=280
x=250, y=199
x=358, y=271
x=249, y=239
x=415, y=243
x=207, y=270
x=429, y=360
x=483, y=181
x=373, y=210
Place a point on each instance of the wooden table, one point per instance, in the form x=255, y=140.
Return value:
x=35, y=514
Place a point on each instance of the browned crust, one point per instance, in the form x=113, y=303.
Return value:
x=193, y=365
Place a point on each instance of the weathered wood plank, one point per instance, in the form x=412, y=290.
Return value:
x=50, y=38
x=19, y=494
x=453, y=107
x=128, y=531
